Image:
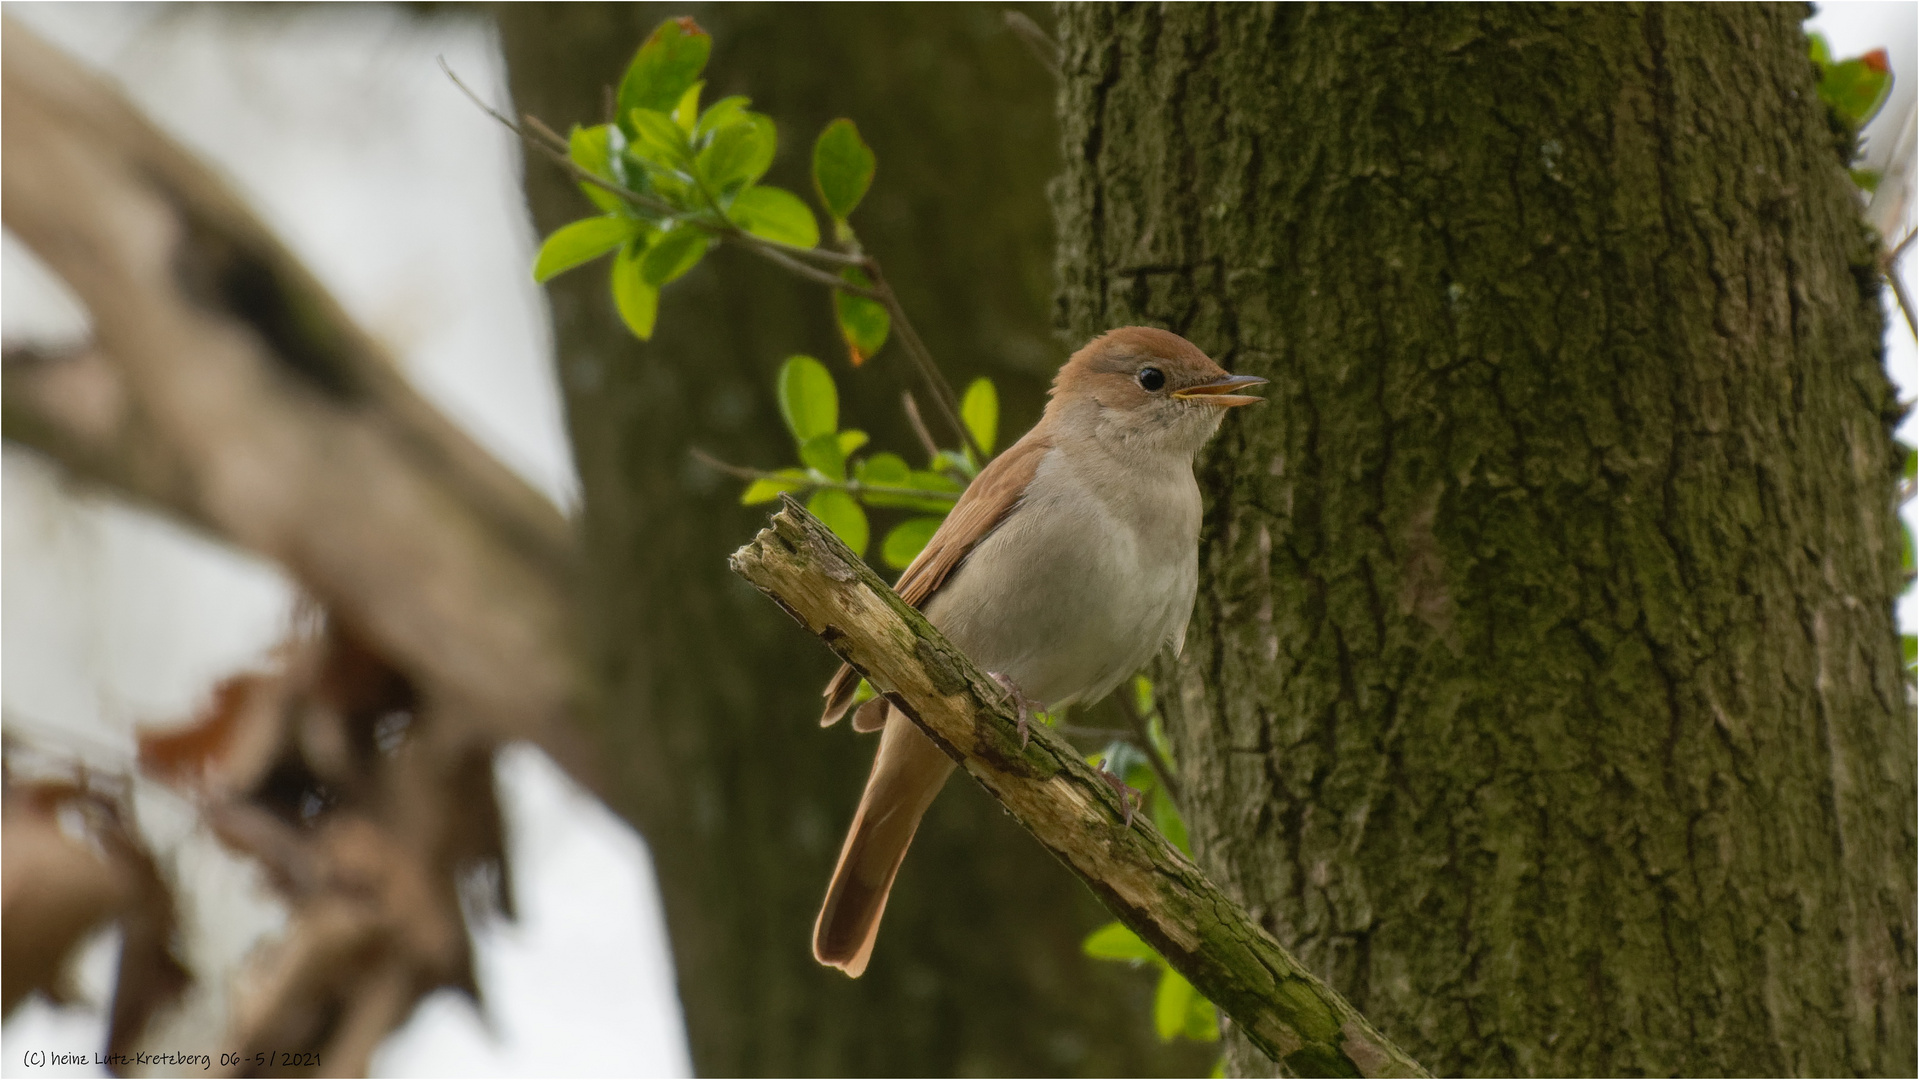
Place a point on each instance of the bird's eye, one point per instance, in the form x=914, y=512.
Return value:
x=1151, y=378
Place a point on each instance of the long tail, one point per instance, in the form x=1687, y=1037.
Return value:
x=908, y=773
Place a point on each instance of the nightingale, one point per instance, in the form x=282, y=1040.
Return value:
x=1069, y=562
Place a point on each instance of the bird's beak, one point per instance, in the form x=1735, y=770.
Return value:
x=1220, y=391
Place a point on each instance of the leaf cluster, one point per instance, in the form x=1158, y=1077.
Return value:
x=843, y=484
x=1178, y=1009
x=673, y=179
x=1854, y=89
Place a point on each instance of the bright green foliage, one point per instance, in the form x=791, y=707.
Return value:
x=863, y=323
x=581, y=242
x=1178, y=1009
x=689, y=178
x=667, y=63
x=840, y=481
x=739, y=153
x=841, y=514
x=842, y=169
x=979, y=411
x=1856, y=88
x=768, y=488
x=809, y=402
x=673, y=253
x=776, y=214
x=639, y=302
x=907, y=539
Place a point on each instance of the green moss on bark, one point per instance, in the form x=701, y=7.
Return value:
x=1543, y=693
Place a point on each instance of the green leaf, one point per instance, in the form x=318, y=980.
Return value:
x=1166, y=818
x=639, y=303
x=1219, y=1069
x=739, y=153
x=1115, y=942
x=864, y=323
x=1856, y=88
x=852, y=439
x=1202, y=1019
x=775, y=214
x=1910, y=470
x=979, y=411
x=864, y=692
x=1171, y=1004
x=957, y=461
x=1143, y=695
x=588, y=147
x=1910, y=643
x=766, y=489
x=822, y=453
x=673, y=254
x=1820, y=51
x=720, y=115
x=687, y=112
x=809, y=402
x=1867, y=180
x=842, y=515
x=842, y=168
x=668, y=62
x=658, y=141
x=580, y=242
x=885, y=468
x=907, y=539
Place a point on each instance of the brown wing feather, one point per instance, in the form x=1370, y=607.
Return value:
x=987, y=501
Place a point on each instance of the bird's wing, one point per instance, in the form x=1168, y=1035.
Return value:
x=985, y=504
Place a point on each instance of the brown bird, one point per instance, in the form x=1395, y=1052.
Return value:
x=1070, y=561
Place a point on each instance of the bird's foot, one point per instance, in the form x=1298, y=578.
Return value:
x=1130, y=797
x=1026, y=706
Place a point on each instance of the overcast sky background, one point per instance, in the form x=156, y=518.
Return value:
x=337, y=123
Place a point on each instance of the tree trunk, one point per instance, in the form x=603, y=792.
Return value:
x=705, y=697
x=1543, y=692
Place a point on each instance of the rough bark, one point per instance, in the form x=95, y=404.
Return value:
x=704, y=698
x=1543, y=692
x=1084, y=817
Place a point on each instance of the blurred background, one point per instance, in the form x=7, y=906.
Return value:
x=339, y=127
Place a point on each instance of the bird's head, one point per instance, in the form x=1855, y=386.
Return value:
x=1143, y=389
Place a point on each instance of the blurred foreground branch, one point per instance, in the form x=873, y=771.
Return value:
x=224, y=385
x=1141, y=877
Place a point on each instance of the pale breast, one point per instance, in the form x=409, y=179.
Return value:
x=1083, y=582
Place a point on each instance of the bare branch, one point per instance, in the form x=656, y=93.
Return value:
x=1161, y=767
x=852, y=487
x=1142, y=878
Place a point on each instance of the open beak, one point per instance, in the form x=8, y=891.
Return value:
x=1220, y=391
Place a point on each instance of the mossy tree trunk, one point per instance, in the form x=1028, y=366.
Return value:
x=705, y=697
x=1543, y=692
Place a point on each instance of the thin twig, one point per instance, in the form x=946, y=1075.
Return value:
x=810, y=273
x=1161, y=767
x=1898, y=286
x=1044, y=48
x=919, y=425
x=943, y=395
x=851, y=487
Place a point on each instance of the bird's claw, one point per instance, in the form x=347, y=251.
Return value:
x=1024, y=704
x=1130, y=797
